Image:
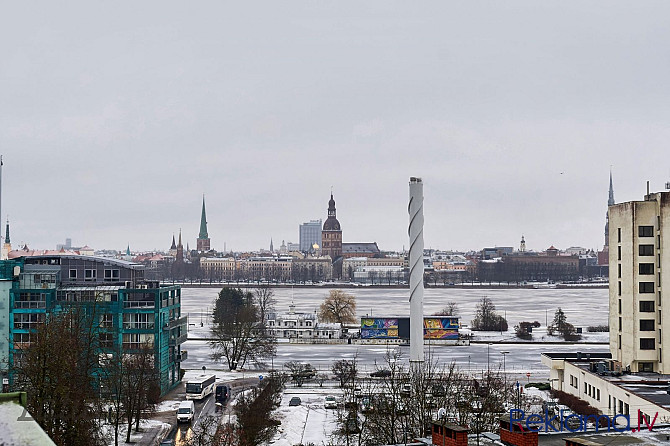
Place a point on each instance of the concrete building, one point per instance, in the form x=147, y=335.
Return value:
x=310, y=234
x=132, y=310
x=633, y=375
x=217, y=268
x=311, y=268
x=639, y=237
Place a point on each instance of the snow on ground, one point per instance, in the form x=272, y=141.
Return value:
x=308, y=423
x=539, y=335
x=168, y=406
x=108, y=431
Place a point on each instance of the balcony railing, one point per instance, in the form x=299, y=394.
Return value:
x=138, y=325
x=138, y=304
x=178, y=340
x=182, y=321
x=30, y=304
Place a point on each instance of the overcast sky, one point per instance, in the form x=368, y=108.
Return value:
x=115, y=118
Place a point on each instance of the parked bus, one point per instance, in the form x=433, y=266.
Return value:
x=198, y=388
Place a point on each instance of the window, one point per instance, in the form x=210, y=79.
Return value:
x=646, y=268
x=646, y=287
x=619, y=288
x=619, y=252
x=73, y=274
x=107, y=320
x=647, y=325
x=598, y=394
x=619, y=323
x=645, y=367
x=619, y=306
x=618, y=235
x=106, y=340
x=619, y=342
x=619, y=270
x=90, y=274
x=645, y=231
x=647, y=343
x=646, y=306
x=646, y=250
x=111, y=275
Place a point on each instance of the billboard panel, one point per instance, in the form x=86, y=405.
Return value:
x=390, y=328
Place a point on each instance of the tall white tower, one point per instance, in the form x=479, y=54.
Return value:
x=415, y=210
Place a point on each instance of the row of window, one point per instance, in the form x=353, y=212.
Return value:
x=110, y=275
x=642, y=231
x=592, y=391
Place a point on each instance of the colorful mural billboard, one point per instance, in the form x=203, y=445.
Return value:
x=440, y=328
x=387, y=328
x=379, y=323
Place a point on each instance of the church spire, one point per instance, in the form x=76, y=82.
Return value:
x=272, y=248
x=610, y=201
x=203, y=221
x=202, y=244
x=7, y=233
x=173, y=244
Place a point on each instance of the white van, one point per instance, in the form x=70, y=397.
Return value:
x=185, y=412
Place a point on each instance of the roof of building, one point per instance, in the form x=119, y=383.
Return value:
x=106, y=260
x=16, y=424
x=360, y=247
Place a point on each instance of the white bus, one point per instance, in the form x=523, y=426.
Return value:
x=198, y=388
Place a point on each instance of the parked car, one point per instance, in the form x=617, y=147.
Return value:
x=330, y=402
x=295, y=401
x=381, y=373
x=307, y=371
x=167, y=442
x=366, y=405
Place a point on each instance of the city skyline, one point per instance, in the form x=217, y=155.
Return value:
x=118, y=118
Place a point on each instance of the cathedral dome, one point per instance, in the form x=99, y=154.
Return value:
x=331, y=223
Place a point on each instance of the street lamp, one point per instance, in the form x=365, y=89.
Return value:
x=488, y=357
x=504, y=353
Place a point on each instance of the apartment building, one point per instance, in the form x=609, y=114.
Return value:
x=132, y=311
x=639, y=251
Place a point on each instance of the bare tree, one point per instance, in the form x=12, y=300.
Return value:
x=486, y=317
x=450, y=309
x=57, y=369
x=339, y=307
x=345, y=371
x=265, y=301
x=238, y=332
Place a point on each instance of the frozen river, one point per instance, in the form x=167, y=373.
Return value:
x=583, y=307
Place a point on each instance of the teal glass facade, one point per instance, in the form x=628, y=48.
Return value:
x=129, y=312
